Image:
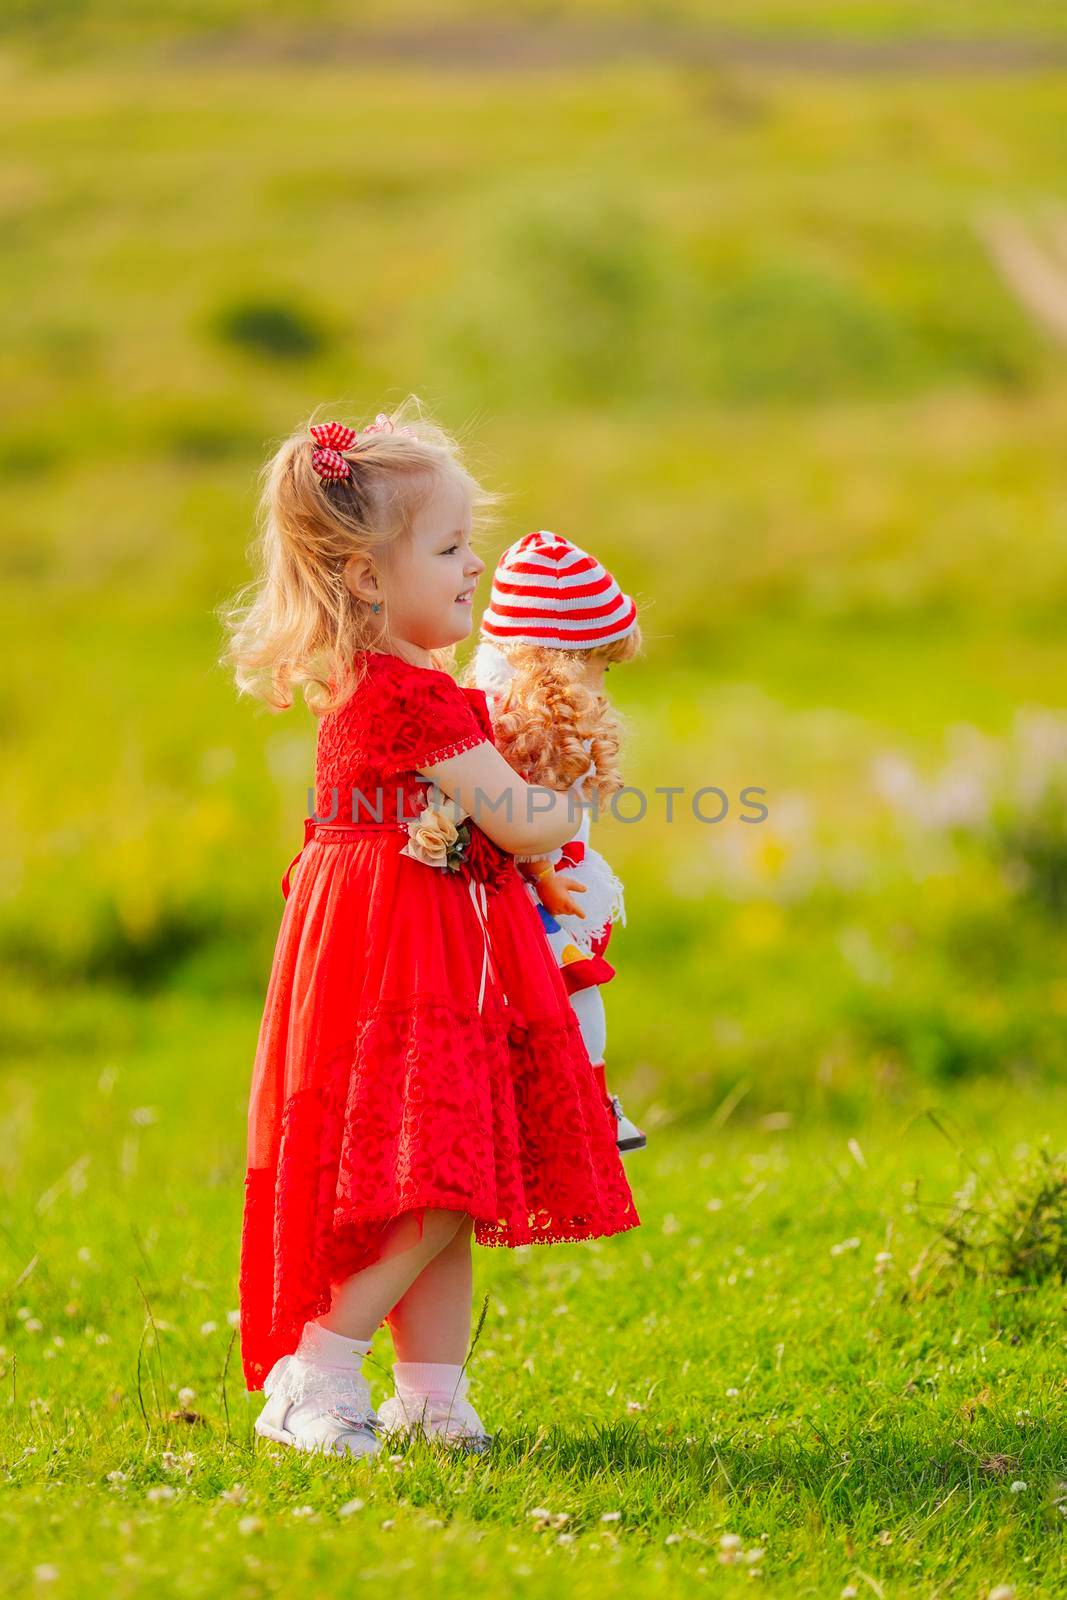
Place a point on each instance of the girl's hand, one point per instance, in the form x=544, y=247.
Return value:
x=554, y=891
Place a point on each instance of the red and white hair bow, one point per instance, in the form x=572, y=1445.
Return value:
x=385, y=424
x=331, y=438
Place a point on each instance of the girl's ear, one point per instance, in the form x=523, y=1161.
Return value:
x=361, y=579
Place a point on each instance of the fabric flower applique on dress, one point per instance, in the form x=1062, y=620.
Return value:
x=438, y=836
x=444, y=836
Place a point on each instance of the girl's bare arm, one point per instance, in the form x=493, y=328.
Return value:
x=520, y=817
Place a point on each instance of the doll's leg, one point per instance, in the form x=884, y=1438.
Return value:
x=432, y=1320
x=588, y=1007
x=362, y=1302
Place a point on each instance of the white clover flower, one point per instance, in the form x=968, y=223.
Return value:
x=1018, y=1486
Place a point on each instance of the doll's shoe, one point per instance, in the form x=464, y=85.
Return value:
x=312, y=1408
x=446, y=1419
x=627, y=1135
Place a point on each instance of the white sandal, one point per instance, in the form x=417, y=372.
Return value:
x=452, y=1422
x=345, y=1422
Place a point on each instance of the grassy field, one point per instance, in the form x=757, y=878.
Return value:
x=738, y=328
x=785, y=1352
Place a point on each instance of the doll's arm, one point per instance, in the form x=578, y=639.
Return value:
x=554, y=889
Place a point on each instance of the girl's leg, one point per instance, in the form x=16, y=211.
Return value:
x=430, y=1325
x=361, y=1303
x=431, y=1322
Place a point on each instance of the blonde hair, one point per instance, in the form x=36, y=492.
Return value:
x=297, y=622
x=546, y=711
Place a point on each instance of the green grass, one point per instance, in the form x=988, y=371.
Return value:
x=746, y=1362
x=734, y=328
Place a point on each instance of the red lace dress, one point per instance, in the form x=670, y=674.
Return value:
x=417, y=1046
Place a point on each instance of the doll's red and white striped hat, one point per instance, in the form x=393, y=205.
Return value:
x=547, y=591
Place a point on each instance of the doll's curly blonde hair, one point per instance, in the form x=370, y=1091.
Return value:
x=297, y=622
x=547, y=710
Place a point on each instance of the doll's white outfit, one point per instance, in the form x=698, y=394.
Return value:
x=578, y=943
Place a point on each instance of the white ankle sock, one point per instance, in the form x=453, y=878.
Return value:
x=439, y=1380
x=331, y=1354
x=333, y=1351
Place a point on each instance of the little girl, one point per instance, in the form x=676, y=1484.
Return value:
x=556, y=622
x=420, y=1078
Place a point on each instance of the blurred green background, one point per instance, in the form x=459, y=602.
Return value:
x=767, y=306
x=752, y=315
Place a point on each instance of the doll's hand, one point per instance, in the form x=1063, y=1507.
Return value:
x=555, y=890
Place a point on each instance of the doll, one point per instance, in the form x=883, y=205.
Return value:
x=555, y=622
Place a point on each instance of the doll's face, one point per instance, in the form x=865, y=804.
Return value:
x=428, y=580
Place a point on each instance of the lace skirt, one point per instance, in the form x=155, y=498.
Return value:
x=417, y=1048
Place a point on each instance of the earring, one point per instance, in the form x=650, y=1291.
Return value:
x=376, y=607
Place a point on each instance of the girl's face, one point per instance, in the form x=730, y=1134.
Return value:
x=430, y=577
